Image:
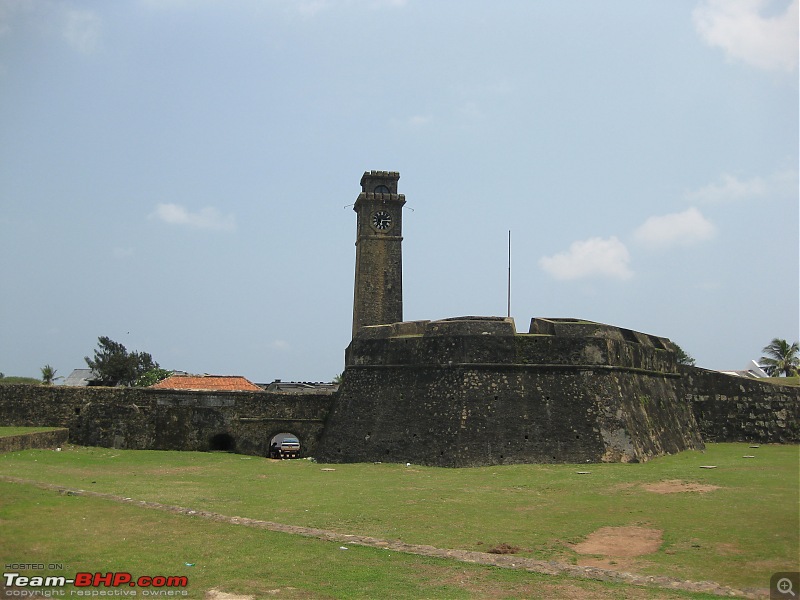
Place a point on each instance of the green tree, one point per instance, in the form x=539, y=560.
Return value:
x=152, y=377
x=49, y=375
x=781, y=358
x=115, y=366
x=682, y=357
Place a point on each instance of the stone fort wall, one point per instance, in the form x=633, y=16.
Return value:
x=40, y=439
x=735, y=409
x=141, y=418
x=456, y=392
x=471, y=391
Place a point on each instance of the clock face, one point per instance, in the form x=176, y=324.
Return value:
x=381, y=220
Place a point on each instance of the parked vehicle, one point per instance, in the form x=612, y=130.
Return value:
x=289, y=448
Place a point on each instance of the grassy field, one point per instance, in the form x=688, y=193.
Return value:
x=784, y=380
x=738, y=532
x=19, y=380
x=9, y=431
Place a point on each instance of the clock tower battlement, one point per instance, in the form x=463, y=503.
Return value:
x=372, y=180
x=378, y=293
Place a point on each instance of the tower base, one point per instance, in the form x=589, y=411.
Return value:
x=471, y=391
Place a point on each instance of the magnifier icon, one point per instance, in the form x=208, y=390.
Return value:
x=784, y=586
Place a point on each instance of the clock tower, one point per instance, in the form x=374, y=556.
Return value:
x=378, y=296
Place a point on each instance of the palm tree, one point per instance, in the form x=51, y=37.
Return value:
x=49, y=375
x=781, y=359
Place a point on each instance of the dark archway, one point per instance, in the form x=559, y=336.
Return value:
x=285, y=445
x=222, y=442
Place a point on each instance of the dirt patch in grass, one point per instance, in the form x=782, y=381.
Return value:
x=504, y=549
x=674, y=486
x=621, y=541
x=617, y=548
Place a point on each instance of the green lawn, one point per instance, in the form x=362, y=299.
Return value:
x=784, y=380
x=736, y=535
x=19, y=380
x=11, y=431
x=86, y=534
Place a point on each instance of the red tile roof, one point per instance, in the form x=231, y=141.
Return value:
x=214, y=383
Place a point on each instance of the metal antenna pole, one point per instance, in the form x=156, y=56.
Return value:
x=509, y=273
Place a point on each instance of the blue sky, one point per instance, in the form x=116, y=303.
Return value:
x=177, y=174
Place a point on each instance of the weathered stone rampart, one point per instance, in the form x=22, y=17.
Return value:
x=141, y=418
x=457, y=392
x=470, y=391
x=37, y=439
x=735, y=409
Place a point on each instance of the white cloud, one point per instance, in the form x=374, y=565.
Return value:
x=205, y=218
x=784, y=183
x=595, y=257
x=729, y=189
x=740, y=28
x=685, y=229
x=82, y=30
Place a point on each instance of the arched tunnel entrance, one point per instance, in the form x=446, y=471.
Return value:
x=285, y=445
x=222, y=442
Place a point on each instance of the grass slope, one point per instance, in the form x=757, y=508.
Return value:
x=737, y=535
x=89, y=534
x=13, y=380
x=11, y=431
x=784, y=380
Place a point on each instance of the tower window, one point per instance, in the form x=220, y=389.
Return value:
x=382, y=189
